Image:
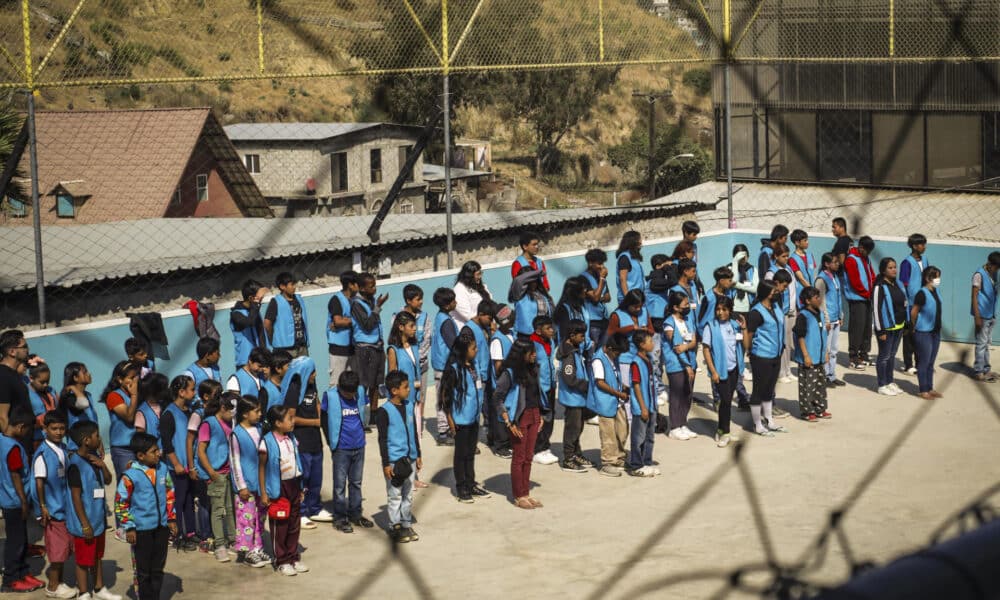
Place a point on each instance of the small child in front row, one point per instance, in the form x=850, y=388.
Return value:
x=608, y=398
x=345, y=410
x=574, y=385
x=145, y=505
x=644, y=410
x=811, y=356
x=249, y=514
x=399, y=448
x=50, y=488
x=15, y=505
x=722, y=344
x=280, y=475
x=212, y=464
x=461, y=398
x=86, y=516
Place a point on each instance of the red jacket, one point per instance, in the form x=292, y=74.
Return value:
x=861, y=282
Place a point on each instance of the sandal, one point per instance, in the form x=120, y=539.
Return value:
x=524, y=503
x=926, y=395
x=534, y=503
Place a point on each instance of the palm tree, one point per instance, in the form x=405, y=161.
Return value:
x=11, y=123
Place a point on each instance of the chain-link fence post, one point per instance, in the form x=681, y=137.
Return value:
x=36, y=210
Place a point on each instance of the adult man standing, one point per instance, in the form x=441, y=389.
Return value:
x=858, y=291
x=13, y=391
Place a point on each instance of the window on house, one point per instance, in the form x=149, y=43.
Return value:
x=406, y=207
x=252, y=162
x=16, y=208
x=375, y=160
x=64, y=206
x=201, y=185
x=404, y=151
x=338, y=171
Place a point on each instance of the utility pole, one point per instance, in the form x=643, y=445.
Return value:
x=651, y=98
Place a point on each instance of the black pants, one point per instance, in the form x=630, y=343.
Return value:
x=765, y=377
x=908, y=347
x=543, y=441
x=15, y=549
x=859, y=329
x=466, y=437
x=150, y=557
x=727, y=387
x=370, y=363
x=573, y=422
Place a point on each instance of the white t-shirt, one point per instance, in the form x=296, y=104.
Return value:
x=286, y=456
x=40, y=471
x=597, y=367
x=496, y=348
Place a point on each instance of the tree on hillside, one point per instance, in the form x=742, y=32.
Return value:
x=10, y=126
x=631, y=156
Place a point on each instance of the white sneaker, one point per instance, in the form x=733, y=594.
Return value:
x=545, y=457
x=645, y=472
x=912, y=370
x=886, y=391
x=723, y=440
x=62, y=591
x=306, y=523
x=677, y=433
x=105, y=594
x=287, y=571
x=747, y=375
x=655, y=470
x=690, y=434
x=594, y=420
x=664, y=397
x=323, y=516
x=300, y=567
x=86, y=596
x=896, y=388
x=785, y=379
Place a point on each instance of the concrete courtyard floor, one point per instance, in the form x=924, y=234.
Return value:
x=606, y=537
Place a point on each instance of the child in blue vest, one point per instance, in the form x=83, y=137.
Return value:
x=658, y=286
x=403, y=355
x=910, y=270
x=249, y=513
x=529, y=300
x=43, y=399
x=722, y=347
x=500, y=344
x=339, y=325
x=890, y=316
x=543, y=339
x=121, y=396
x=49, y=469
x=644, y=409
x=680, y=344
x=629, y=274
x=445, y=333
x=413, y=303
x=209, y=391
x=74, y=397
x=530, y=243
x=154, y=390
x=249, y=378
x=14, y=477
x=925, y=316
x=595, y=280
x=706, y=310
x=207, y=365
x=764, y=340
x=788, y=303
x=213, y=466
x=86, y=516
x=574, y=387
x=173, y=438
x=399, y=449
x=245, y=321
x=984, y=306
x=344, y=407
x=145, y=504
x=276, y=371
x=779, y=237
x=811, y=356
x=829, y=284
x=608, y=397
x=801, y=262
x=302, y=398
x=138, y=354
x=280, y=475
x=285, y=322
x=369, y=344
x=462, y=400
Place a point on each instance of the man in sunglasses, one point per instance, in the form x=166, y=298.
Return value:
x=13, y=361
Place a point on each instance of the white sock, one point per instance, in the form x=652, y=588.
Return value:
x=755, y=414
x=766, y=409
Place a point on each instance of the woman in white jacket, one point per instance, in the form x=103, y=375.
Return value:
x=469, y=292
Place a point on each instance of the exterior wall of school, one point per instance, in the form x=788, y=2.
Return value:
x=100, y=345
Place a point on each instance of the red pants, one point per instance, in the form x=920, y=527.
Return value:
x=285, y=534
x=524, y=452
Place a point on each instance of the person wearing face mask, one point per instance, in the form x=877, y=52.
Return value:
x=925, y=316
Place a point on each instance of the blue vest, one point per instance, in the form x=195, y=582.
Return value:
x=625, y=320
x=339, y=337
x=472, y=401
x=568, y=397
x=273, y=394
x=986, y=298
x=926, y=317
x=304, y=367
x=284, y=323
x=646, y=385
x=38, y=408
x=815, y=339
x=597, y=311
x=734, y=293
x=505, y=345
x=769, y=338
x=180, y=434
x=916, y=276
x=121, y=432
x=272, y=469
x=421, y=327
x=710, y=300
x=510, y=402
x=674, y=362
x=718, y=349
x=656, y=305
x=769, y=251
x=56, y=492
x=834, y=306
x=94, y=508
x=8, y=497
x=888, y=315
x=249, y=384
x=692, y=293
x=849, y=292
x=199, y=374
x=636, y=278
x=786, y=296
x=482, y=361
x=440, y=349
x=152, y=421
x=576, y=314
x=366, y=336
x=525, y=311
x=248, y=460
x=335, y=414
x=401, y=436
x=546, y=370
x=412, y=369
x=244, y=340
x=538, y=262
x=598, y=400
x=217, y=450
x=807, y=266
x=148, y=506
x=88, y=414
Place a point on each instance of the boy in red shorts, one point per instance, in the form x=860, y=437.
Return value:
x=86, y=518
x=53, y=501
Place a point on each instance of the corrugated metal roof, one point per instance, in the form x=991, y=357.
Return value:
x=436, y=173
x=291, y=132
x=79, y=254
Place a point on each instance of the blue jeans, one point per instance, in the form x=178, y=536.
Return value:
x=641, y=453
x=984, y=335
x=926, y=346
x=886, y=361
x=400, y=500
x=832, y=337
x=312, y=482
x=348, y=467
